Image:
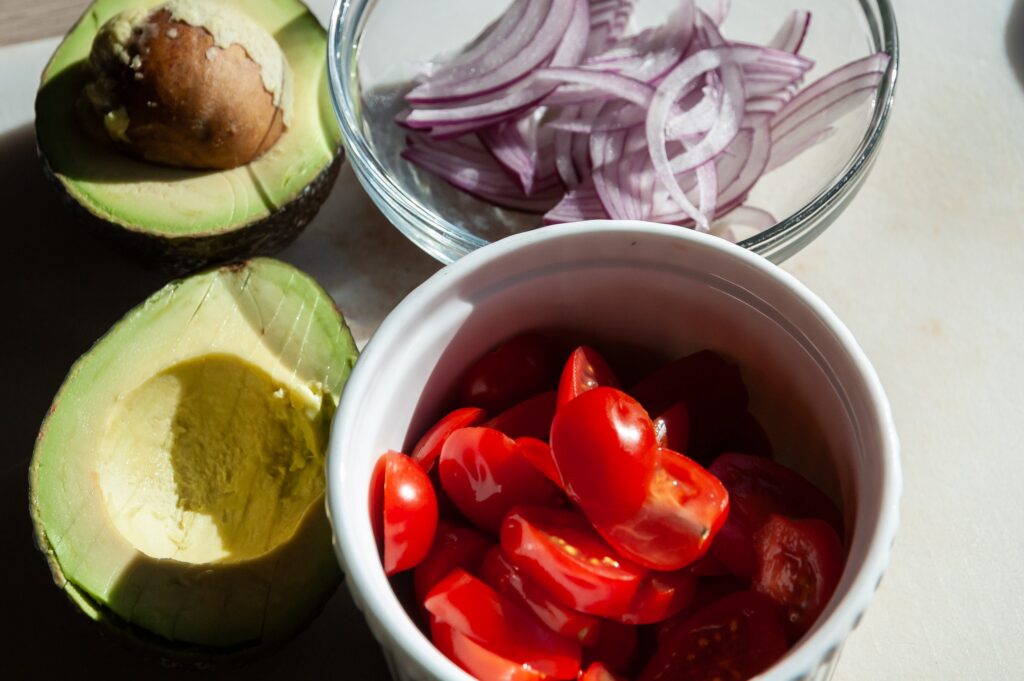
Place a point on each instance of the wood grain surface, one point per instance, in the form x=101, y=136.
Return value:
x=24, y=20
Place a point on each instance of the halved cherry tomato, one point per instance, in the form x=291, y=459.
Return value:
x=585, y=370
x=409, y=511
x=509, y=580
x=453, y=547
x=561, y=551
x=520, y=367
x=477, y=660
x=428, y=448
x=604, y=448
x=757, y=488
x=477, y=611
x=709, y=590
x=704, y=377
x=615, y=648
x=684, y=509
x=672, y=428
x=598, y=672
x=799, y=565
x=530, y=418
x=484, y=474
x=538, y=453
x=737, y=637
x=660, y=596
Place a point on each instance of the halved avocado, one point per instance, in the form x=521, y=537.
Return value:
x=177, y=484
x=181, y=217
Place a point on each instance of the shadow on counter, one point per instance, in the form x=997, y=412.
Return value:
x=1014, y=40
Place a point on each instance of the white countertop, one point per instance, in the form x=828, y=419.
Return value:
x=926, y=267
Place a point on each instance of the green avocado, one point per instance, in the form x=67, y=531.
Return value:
x=177, y=484
x=177, y=217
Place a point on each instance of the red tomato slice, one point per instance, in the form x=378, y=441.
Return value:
x=703, y=378
x=408, y=518
x=477, y=660
x=484, y=474
x=529, y=418
x=453, y=547
x=539, y=454
x=520, y=367
x=737, y=637
x=660, y=596
x=598, y=672
x=428, y=448
x=709, y=590
x=604, y=448
x=615, y=648
x=799, y=565
x=684, y=509
x=585, y=370
x=509, y=580
x=757, y=488
x=672, y=428
x=560, y=551
x=477, y=611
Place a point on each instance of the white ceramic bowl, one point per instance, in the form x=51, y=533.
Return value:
x=673, y=291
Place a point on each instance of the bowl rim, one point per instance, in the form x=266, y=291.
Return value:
x=446, y=242
x=362, y=570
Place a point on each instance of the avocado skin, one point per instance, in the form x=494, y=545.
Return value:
x=177, y=256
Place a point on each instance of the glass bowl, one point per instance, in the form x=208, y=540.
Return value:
x=378, y=46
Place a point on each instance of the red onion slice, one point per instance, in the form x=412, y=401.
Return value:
x=791, y=34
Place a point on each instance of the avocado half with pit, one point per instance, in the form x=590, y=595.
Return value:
x=129, y=102
x=177, y=485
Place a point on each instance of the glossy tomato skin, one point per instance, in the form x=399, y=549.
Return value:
x=483, y=472
x=476, y=659
x=428, y=448
x=599, y=672
x=530, y=418
x=709, y=590
x=604, y=447
x=757, y=488
x=683, y=511
x=518, y=368
x=660, y=596
x=539, y=454
x=454, y=546
x=586, y=369
x=736, y=637
x=507, y=579
x=409, y=516
x=474, y=609
x=672, y=428
x=560, y=550
x=799, y=566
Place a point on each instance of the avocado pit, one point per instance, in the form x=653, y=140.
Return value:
x=188, y=84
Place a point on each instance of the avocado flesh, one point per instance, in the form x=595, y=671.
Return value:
x=175, y=204
x=177, y=484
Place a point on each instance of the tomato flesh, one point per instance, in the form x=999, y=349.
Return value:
x=517, y=369
x=483, y=472
x=477, y=611
x=799, y=565
x=428, y=448
x=660, y=596
x=477, y=660
x=757, y=488
x=530, y=418
x=684, y=509
x=408, y=518
x=497, y=571
x=736, y=637
x=585, y=370
x=604, y=447
x=560, y=551
x=599, y=672
x=454, y=546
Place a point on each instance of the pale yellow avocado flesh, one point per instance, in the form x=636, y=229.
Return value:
x=177, y=485
x=176, y=202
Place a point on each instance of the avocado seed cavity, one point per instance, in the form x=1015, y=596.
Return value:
x=190, y=83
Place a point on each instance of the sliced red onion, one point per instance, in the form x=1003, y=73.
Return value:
x=552, y=109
